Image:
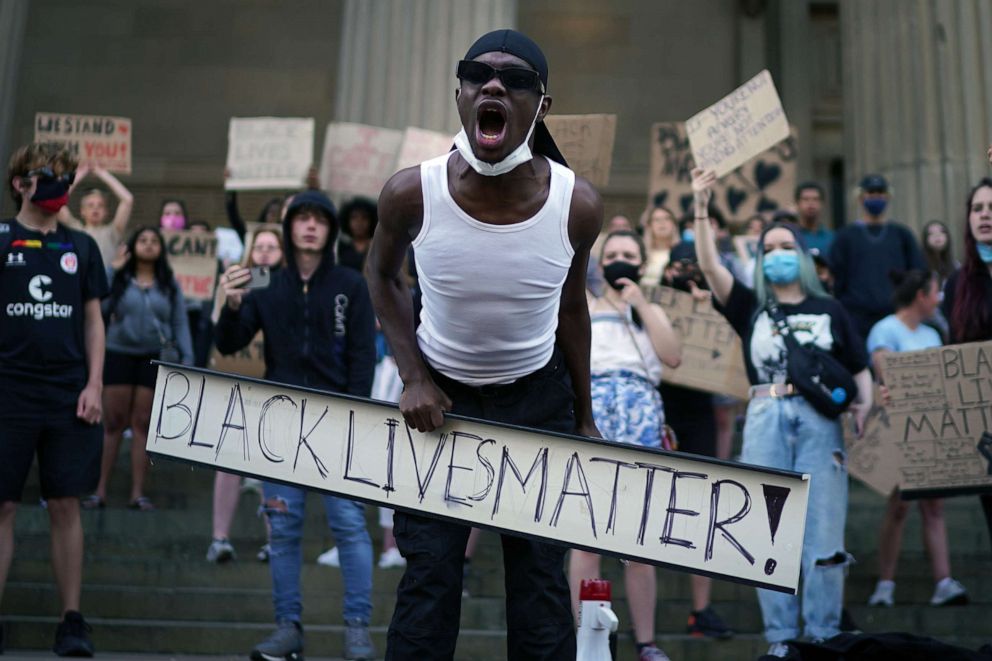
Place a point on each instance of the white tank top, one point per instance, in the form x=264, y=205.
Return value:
x=614, y=348
x=490, y=292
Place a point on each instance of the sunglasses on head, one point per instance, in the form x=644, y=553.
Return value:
x=48, y=173
x=513, y=78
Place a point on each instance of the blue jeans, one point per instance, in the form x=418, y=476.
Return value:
x=346, y=519
x=789, y=433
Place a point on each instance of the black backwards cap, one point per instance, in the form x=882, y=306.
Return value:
x=520, y=45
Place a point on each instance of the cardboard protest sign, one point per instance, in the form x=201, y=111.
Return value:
x=711, y=350
x=358, y=159
x=104, y=141
x=249, y=361
x=765, y=183
x=193, y=257
x=586, y=142
x=732, y=521
x=933, y=438
x=738, y=127
x=419, y=145
x=268, y=152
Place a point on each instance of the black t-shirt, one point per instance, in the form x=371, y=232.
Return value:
x=816, y=319
x=43, y=289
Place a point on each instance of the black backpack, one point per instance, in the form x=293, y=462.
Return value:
x=820, y=378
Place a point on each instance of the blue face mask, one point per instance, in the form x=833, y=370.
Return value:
x=985, y=252
x=689, y=236
x=781, y=266
x=876, y=205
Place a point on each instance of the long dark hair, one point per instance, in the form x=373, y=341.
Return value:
x=971, y=317
x=362, y=205
x=123, y=276
x=263, y=215
x=939, y=261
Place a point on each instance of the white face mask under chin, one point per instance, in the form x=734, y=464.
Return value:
x=521, y=154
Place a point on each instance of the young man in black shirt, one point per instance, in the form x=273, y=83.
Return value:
x=863, y=253
x=51, y=370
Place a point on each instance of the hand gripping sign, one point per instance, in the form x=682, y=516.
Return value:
x=732, y=521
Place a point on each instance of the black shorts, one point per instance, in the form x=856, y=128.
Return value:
x=41, y=419
x=122, y=369
x=690, y=414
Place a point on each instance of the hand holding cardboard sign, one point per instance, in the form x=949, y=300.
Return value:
x=702, y=190
x=423, y=405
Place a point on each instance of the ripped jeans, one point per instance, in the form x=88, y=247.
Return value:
x=347, y=521
x=789, y=433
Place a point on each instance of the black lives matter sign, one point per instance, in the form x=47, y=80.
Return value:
x=732, y=521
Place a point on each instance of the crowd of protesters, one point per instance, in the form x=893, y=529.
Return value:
x=91, y=303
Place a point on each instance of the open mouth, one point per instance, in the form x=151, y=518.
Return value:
x=490, y=124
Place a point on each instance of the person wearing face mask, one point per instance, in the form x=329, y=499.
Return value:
x=631, y=339
x=967, y=303
x=916, y=295
x=783, y=430
x=863, y=254
x=51, y=370
x=506, y=340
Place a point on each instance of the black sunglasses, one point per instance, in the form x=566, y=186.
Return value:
x=513, y=78
x=48, y=173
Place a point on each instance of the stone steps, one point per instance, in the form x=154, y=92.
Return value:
x=148, y=588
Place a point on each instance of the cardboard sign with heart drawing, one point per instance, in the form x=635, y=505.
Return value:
x=764, y=184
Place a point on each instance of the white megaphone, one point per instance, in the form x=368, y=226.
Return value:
x=596, y=621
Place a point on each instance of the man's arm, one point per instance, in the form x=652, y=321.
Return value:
x=89, y=406
x=401, y=214
x=125, y=200
x=239, y=320
x=574, y=334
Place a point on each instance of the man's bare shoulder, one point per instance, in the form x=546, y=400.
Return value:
x=401, y=201
x=585, y=219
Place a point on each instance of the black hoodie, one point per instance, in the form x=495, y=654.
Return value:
x=319, y=334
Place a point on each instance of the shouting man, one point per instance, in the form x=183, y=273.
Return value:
x=502, y=230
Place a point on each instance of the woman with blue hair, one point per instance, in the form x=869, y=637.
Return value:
x=783, y=429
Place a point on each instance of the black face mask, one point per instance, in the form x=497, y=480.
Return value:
x=616, y=270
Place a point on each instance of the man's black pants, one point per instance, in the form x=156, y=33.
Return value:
x=429, y=597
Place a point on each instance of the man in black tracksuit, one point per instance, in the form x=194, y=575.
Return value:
x=319, y=332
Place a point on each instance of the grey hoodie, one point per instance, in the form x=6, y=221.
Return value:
x=133, y=330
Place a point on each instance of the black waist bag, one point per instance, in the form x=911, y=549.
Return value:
x=819, y=377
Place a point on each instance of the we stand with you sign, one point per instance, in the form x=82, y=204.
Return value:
x=731, y=521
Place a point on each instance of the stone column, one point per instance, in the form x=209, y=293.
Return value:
x=918, y=101
x=397, y=61
x=13, y=19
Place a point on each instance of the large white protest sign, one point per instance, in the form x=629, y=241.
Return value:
x=268, y=152
x=934, y=436
x=95, y=139
x=738, y=127
x=358, y=159
x=726, y=520
x=419, y=145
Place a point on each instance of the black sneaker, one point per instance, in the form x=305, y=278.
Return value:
x=72, y=638
x=847, y=623
x=707, y=624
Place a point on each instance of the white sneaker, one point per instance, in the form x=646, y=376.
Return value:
x=391, y=558
x=780, y=650
x=883, y=594
x=949, y=593
x=329, y=558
